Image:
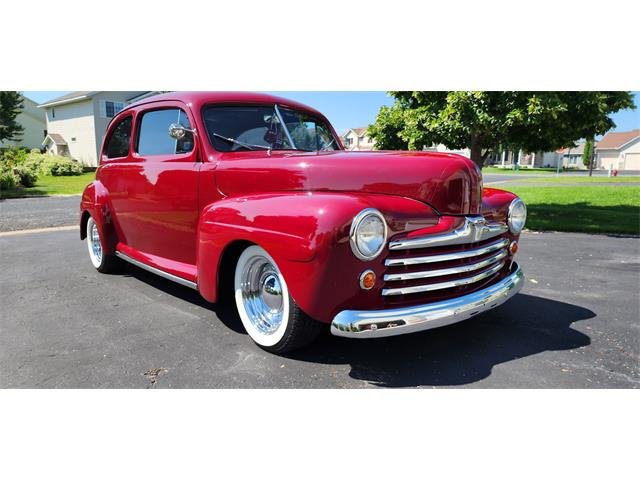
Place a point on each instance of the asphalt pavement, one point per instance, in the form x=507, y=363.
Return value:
x=64, y=325
x=39, y=212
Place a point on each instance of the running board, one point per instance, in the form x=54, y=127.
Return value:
x=157, y=271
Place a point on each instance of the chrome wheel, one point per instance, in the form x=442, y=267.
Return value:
x=93, y=243
x=261, y=296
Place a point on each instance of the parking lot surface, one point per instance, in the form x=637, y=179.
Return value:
x=63, y=325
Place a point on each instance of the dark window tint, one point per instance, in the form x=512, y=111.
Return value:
x=118, y=145
x=154, y=133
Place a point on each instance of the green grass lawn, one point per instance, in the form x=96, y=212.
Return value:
x=590, y=209
x=577, y=179
x=517, y=172
x=49, y=185
x=580, y=208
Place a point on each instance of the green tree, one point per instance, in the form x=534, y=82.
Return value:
x=486, y=122
x=587, y=153
x=11, y=104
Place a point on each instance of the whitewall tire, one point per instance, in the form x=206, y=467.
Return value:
x=270, y=316
x=102, y=262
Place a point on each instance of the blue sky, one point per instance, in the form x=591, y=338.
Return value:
x=358, y=109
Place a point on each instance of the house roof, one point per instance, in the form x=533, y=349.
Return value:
x=616, y=140
x=55, y=138
x=577, y=150
x=68, y=98
x=77, y=96
x=358, y=131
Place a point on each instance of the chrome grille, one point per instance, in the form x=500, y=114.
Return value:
x=441, y=262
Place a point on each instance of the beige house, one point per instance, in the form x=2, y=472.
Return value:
x=358, y=140
x=34, y=124
x=571, y=157
x=619, y=150
x=443, y=149
x=77, y=122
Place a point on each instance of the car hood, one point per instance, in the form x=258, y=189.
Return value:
x=449, y=183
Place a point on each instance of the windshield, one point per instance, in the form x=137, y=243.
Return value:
x=241, y=128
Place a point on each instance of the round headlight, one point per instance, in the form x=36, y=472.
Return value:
x=368, y=234
x=517, y=216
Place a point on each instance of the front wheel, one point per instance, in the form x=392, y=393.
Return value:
x=103, y=263
x=271, y=317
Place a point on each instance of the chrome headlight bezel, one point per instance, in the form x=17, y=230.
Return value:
x=516, y=226
x=353, y=234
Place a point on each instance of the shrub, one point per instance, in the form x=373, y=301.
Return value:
x=27, y=174
x=60, y=166
x=7, y=180
x=45, y=164
x=14, y=156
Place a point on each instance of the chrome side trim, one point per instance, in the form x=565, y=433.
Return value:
x=157, y=271
x=474, y=229
x=392, y=262
x=397, y=321
x=442, y=285
x=470, y=267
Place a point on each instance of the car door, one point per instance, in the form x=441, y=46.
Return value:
x=156, y=197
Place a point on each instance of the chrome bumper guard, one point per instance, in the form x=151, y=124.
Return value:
x=398, y=321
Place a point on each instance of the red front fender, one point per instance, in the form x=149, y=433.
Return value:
x=94, y=202
x=307, y=234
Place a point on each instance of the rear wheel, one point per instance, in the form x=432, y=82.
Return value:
x=271, y=317
x=102, y=262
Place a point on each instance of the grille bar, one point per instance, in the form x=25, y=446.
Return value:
x=474, y=229
x=440, y=286
x=470, y=267
x=392, y=262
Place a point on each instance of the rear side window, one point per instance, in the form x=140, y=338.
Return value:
x=118, y=145
x=154, y=136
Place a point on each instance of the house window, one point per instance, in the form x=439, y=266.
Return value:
x=110, y=109
x=53, y=113
x=361, y=139
x=349, y=141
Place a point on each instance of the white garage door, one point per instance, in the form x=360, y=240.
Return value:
x=632, y=161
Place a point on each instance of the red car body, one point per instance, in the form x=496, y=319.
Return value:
x=183, y=214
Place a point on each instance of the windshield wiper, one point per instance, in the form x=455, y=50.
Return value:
x=250, y=146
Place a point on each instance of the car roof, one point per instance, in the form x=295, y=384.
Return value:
x=198, y=99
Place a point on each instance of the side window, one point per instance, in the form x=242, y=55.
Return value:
x=154, y=136
x=118, y=145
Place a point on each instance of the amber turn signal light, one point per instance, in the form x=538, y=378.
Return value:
x=367, y=280
x=513, y=248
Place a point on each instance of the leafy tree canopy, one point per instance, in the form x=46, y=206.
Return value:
x=11, y=104
x=490, y=121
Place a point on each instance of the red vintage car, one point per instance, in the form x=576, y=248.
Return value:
x=253, y=197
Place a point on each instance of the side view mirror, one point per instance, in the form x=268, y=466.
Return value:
x=178, y=131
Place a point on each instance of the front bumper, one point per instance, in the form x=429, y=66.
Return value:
x=398, y=321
